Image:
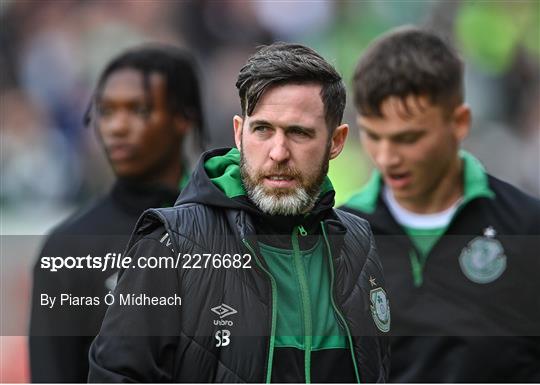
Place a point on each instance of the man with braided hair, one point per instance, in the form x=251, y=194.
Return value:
x=147, y=99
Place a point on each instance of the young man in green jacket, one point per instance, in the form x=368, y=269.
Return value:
x=459, y=247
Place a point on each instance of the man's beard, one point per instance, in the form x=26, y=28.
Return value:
x=283, y=201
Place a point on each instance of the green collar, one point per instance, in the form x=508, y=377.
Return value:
x=475, y=182
x=366, y=199
x=184, y=179
x=224, y=172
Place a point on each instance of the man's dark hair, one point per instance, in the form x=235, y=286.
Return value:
x=282, y=63
x=180, y=73
x=408, y=61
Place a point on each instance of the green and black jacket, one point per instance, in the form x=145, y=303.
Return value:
x=465, y=304
x=304, y=311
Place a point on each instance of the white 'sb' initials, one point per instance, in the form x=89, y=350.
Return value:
x=222, y=337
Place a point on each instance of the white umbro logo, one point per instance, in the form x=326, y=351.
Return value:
x=223, y=310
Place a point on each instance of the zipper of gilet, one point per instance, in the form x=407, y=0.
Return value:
x=336, y=309
x=306, y=303
x=274, y=312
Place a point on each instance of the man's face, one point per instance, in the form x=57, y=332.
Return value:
x=414, y=148
x=285, y=146
x=140, y=136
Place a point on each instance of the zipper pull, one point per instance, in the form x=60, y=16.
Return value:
x=302, y=231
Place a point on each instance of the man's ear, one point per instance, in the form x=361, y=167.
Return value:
x=237, y=124
x=338, y=140
x=461, y=122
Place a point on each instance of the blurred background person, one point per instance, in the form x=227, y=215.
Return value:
x=146, y=101
x=457, y=244
x=52, y=52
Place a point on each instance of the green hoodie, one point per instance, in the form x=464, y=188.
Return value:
x=306, y=319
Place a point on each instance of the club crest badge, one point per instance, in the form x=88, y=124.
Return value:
x=483, y=259
x=380, y=309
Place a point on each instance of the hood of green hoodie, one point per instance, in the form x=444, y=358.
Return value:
x=224, y=172
x=216, y=181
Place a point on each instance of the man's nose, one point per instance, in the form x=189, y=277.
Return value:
x=387, y=155
x=117, y=124
x=280, y=152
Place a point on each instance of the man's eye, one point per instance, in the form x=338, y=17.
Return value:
x=142, y=111
x=408, y=139
x=104, y=111
x=261, y=129
x=301, y=133
x=371, y=136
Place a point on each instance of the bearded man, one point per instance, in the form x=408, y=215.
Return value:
x=276, y=285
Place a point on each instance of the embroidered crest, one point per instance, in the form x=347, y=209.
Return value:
x=483, y=259
x=380, y=309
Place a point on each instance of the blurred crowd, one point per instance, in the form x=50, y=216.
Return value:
x=52, y=51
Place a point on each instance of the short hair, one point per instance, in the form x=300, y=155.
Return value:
x=283, y=63
x=408, y=61
x=180, y=73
